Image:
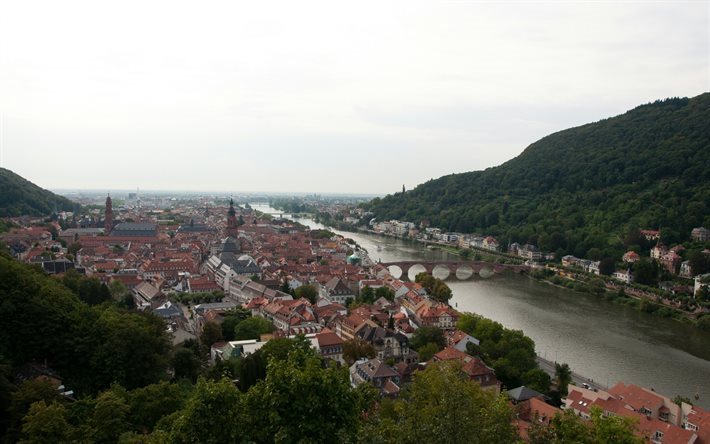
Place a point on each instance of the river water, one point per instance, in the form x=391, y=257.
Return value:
x=602, y=340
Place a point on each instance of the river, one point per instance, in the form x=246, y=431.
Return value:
x=602, y=340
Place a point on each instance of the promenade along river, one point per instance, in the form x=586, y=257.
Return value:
x=604, y=341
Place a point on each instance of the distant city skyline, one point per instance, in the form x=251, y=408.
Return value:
x=319, y=97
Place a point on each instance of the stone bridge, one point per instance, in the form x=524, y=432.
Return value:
x=461, y=270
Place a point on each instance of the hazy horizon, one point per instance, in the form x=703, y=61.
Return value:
x=353, y=99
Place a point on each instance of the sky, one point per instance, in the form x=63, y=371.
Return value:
x=327, y=97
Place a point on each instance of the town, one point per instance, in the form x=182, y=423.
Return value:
x=224, y=273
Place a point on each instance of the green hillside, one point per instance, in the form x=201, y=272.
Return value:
x=19, y=196
x=587, y=187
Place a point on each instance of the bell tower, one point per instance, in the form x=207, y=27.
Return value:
x=231, y=220
x=108, y=216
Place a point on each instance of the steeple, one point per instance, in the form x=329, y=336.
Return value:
x=231, y=220
x=108, y=216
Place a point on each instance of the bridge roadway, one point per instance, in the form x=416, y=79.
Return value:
x=475, y=267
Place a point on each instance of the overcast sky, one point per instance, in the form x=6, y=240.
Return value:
x=321, y=97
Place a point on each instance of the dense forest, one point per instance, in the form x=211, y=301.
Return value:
x=130, y=385
x=21, y=197
x=582, y=188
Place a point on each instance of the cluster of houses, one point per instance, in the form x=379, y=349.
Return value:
x=658, y=419
x=669, y=259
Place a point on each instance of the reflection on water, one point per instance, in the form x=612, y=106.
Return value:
x=605, y=341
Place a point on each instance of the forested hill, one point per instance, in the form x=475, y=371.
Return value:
x=19, y=196
x=583, y=187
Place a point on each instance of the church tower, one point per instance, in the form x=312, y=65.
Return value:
x=108, y=216
x=231, y=220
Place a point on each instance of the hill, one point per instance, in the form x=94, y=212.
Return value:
x=593, y=186
x=21, y=197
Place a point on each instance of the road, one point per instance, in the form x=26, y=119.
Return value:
x=549, y=367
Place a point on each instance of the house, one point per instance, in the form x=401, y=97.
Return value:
x=377, y=373
x=530, y=252
x=658, y=251
x=387, y=343
x=491, y=243
x=686, y=270
x=440, y=315
x=522, y=393
x=671, y=261
x=651, y=235
x=330, y=345
x=659, y=419
x=460, y=340
x=700, y=234
x=624, y=276
x=696, y=420
x=144, y=294
x=336, y=291
x=631, y=257
x=473, y=367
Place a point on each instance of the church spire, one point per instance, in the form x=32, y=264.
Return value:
x=108, y=215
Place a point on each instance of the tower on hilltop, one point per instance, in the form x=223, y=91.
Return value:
x=108, y=216
x=231, y=220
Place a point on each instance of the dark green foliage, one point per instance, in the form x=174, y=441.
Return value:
x=582, y=188
x=90, y=347
x=89, y=290
x=442, y=407
x=231, y=319
x=252, y=328
x=428, y=335
x=21, y=197
x=186, y=364
x=307, y=291
x=435, y=288
x=211, y=333
x=354, y=349
x=509, y=352
x=301, y=401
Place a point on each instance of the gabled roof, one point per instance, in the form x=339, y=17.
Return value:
x=522, y=393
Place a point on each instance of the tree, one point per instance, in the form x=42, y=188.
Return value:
x=110, y=416
x=28, y=393
x=537, y=379
x=607, y=266
x=118, y=290
x=563, y=376
x=645, y=272
x=151, y=403
x=435, y=288
x=355, y=349
x=186, y=364
x=367, y=295
x=425, y=335
x=307, y=291
x=231, y=319
x=133, y=349
x=252, y=328
x=568, y=427
x=427, y=351
x=301, y=401
x=443, y=406
x=699, y=262
x=211, y=333
x=213, y=414
x=384, y=292
x=46, y=424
